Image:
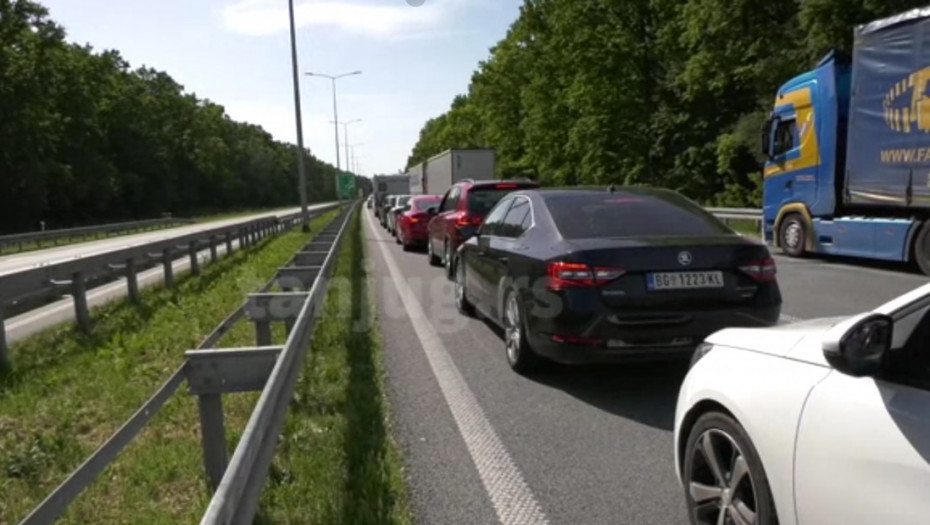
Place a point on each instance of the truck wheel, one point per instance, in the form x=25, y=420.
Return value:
x=922, y=248
x=792, y=235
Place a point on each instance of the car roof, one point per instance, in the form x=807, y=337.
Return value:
x=622, y=191
x=492, y=182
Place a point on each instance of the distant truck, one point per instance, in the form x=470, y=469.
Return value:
x=436, y=175
x=385, y=185
x=848, y=146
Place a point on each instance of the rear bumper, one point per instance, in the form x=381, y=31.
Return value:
x=623, y=339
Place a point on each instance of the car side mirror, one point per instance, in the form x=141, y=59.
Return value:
x=857, y=346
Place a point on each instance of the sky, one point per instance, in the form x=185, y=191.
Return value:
x=414, y=60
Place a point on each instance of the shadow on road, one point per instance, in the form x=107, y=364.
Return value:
x=644, y=392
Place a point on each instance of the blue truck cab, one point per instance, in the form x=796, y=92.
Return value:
x=848, y=147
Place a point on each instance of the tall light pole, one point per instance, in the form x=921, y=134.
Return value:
x=334, y=78
x=301, y=173
x=352, y=158
x=345, y=139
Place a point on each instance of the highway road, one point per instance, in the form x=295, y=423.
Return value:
x=21, y=261
x=33, y=321
x=571, y=446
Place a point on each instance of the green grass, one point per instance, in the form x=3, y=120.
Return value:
x=69, y=391
x=336, y=461
x=745, y=227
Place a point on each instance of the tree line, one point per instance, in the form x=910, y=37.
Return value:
x=85, y=138
x=667, y=93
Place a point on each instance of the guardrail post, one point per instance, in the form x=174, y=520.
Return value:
x=4, y=349
x=228, y=244
x=213, y=255
x=79, y=294
x=132, y=281
x=263, y=333
x=212, y=437
x=195, y=263
x=169, y=269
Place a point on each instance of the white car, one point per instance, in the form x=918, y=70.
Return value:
x=823, y=422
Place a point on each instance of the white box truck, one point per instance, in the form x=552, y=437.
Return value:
x=415, y=175
x=454, y=165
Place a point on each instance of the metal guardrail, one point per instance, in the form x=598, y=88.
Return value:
x=20, y=240
x=211, y=372
x=744, y=214
x=70, y=276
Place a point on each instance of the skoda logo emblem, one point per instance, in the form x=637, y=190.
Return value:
x=684, y=258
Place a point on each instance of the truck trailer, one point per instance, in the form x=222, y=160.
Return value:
x=848, y=147
x=436, y=175
x=385, y=185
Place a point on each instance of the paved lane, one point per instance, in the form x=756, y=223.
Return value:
x=20, y=261
x=593, y=445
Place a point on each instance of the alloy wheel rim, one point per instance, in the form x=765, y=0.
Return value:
x=447, y=260
x=793, y=235
x=720, y=486
x=512, y=331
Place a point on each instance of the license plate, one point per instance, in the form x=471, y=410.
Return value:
x=684, y=280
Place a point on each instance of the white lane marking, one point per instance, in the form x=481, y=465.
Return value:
x=785, y=319
x=510, y=495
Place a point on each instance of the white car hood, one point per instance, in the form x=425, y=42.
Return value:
x=800, y=340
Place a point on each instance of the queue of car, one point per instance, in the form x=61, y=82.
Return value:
x=813, y=422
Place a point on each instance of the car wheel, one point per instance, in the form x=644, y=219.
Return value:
x=461, y=299
x=792, y=235
x=520, y=356
x=922, y=248
x=447, y=260
x=403, y=241
x=433, y=260
x=724, y=478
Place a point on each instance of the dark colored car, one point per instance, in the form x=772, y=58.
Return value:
x=400, y=204
x=412, y=223
x=386, y=205
x=581, y=276
x=460, y=213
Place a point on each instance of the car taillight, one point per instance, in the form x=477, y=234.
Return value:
x=568, y=275
x=468, y=220
x=762, y=271
x=505, y=186
x=418, y=218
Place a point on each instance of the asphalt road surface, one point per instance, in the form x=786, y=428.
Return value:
x=571, y=446
x=31, y=322
x=21, y=261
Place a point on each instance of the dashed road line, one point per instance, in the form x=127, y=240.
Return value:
x=510, y=496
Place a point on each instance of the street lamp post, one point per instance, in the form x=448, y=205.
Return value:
x=345, y=139
x=301, y=172
x=334, y=78
x=352, y=159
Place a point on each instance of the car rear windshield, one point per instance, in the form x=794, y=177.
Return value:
x=612, y=215
x=424, y=204
x=402, y=201
x=482, y=198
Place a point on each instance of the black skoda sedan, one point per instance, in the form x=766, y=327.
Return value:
x=590, y=275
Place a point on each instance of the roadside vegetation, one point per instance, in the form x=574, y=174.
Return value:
x=668, y=93
x=68, y=391
x=336, y=461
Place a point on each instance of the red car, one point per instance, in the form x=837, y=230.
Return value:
x=461, y=212
x=411, y=224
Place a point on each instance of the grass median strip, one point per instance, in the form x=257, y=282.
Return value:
x=336, y=461
x=69, y=391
